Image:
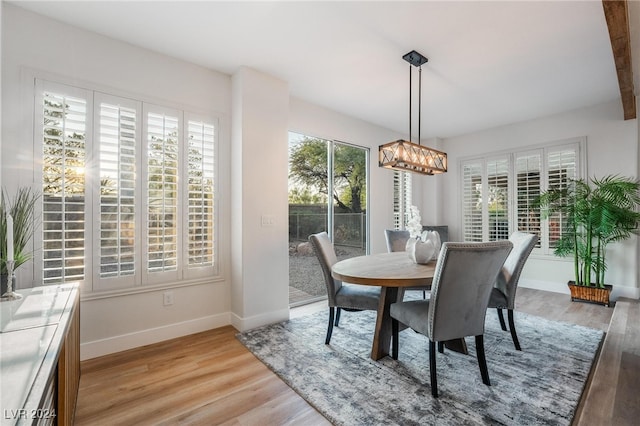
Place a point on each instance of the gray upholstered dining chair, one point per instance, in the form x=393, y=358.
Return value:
x=462, y=283
x=341, y=296
x=396, y=239
x=503, y=295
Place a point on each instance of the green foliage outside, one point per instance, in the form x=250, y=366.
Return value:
x=308, y=168
x=305, y=196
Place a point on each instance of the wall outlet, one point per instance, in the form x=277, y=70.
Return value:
x=167, y=298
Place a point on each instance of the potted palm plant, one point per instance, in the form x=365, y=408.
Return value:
x=597, y=212
x=21, y=208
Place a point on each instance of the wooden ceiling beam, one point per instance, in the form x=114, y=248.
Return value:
x=617, y=16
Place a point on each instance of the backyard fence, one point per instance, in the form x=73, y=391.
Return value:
x=349, y=228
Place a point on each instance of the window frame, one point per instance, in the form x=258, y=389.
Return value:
x=40, y=86
x=164, y=276
x=577, y=145
x=201, y=272
x=402, y=198
x=143, y=280
x=99, y=283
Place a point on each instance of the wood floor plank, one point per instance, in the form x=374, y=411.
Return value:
x=283, y=410
x=235, y=403
x=207, y=378
x=210, y=378
x=612, y=395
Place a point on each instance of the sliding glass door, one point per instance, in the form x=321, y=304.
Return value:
x=327, y=192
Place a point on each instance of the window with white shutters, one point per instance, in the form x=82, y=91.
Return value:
x=498, y=193
x=472, y=226
x=162, y=191
x=497, y=199
x=528, y=185
x=401, y=199
x=64, y=125
x=147, y=185
x=561, y=166
x=201, y=173
x=118, y=148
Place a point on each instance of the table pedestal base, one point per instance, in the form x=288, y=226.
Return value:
x=382, y=335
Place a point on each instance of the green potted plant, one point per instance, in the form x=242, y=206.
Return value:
x=597, y=212
x=21, y=208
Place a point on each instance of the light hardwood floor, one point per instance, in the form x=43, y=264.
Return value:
x=210, y=378
x=611, y=398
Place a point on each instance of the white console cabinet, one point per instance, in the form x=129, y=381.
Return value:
x=40, y=356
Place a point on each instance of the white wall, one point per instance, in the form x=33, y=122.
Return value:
x=259, y=159
x=612, y=148
x=32, y=44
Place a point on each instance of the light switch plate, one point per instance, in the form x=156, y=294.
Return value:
x=268, y=220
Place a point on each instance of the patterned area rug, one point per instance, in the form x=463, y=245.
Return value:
x=539, y=386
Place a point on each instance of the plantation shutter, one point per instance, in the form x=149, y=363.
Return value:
x=561, y=168
x=472, y=225
x=498, y=194
x=397, y=200
x=528, y=172
x=162, y=164
x=401, y=198
x=497, y=200
x=128, y=191
x=64, y=125
x=118, y=141
x=407, y=199
x=200, y=203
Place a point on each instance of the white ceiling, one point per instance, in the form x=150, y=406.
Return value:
x=490, y=63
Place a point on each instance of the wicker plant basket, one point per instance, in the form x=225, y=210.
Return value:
x=590, y=293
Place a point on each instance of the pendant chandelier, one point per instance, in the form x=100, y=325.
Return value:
x=405, y=155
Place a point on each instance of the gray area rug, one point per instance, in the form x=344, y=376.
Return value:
x=539, y=386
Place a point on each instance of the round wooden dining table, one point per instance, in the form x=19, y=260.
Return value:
x=392, y=272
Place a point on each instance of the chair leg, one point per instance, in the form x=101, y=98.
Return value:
x=338, y=310
x=432, y=368
x=482, y=361
x=441, y=347
x=512, y=328
x=424, y=294
x=501, y=318
x=330, y=327
x=394, y=338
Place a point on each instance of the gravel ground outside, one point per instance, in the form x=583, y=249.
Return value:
x=305, y=273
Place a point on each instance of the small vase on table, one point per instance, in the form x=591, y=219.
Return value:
x=10, y=294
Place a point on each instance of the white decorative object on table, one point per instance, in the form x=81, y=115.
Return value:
x=422, y=246
x=420, y=251
x=10, y=294
x=434, y=237
x=9, y=238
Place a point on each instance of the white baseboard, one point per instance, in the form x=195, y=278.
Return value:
x=618, y=291
x=244, y=324
x=553, y=287
x=123, y=342
x=630, y=292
